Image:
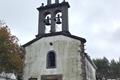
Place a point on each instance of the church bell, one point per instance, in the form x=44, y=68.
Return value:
x=58, y=21
x=47, y=21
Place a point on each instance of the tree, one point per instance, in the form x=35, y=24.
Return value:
x=106, y=69
x=118, y=66
x=114, y=69
x=102, y=67
x=10, y=51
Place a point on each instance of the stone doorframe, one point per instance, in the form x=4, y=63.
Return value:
x=51, y=77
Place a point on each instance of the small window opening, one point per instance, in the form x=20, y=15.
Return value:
x=51, y=60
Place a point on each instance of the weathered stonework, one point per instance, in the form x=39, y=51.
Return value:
x=83, y=61
x=70, y=62
x=53, y=9
x=68, y=59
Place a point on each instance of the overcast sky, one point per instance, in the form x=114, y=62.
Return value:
x=98, y=21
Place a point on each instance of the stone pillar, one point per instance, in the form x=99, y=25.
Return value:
x=65, y=19
x=48, y=2
x=41, y=25
x=53, y=29
x=56, y=1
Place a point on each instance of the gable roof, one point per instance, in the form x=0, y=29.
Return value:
x=67, y=34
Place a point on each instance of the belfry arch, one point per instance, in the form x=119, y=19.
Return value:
x=58, y=19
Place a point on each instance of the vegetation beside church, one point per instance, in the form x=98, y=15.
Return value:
x=107, y=69
x=10, y=51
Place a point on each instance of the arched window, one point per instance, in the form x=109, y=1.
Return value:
x=51, y=60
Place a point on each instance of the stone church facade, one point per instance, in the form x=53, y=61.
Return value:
x=56, y=55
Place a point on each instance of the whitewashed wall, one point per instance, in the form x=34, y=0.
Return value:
x=68, y=58
x=90, y=70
